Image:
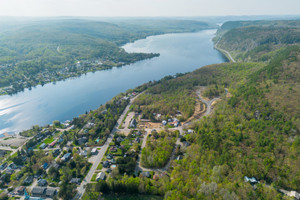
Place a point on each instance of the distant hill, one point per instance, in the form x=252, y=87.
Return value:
x=38, y=51
x=256, y=40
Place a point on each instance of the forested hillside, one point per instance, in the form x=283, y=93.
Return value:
x=41, y=51
x=253, y=131
x=257, y=40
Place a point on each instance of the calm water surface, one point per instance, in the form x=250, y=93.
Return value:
x=64, y=100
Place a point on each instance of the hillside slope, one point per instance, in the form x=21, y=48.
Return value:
x=258, y=40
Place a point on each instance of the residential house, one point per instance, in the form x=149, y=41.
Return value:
x=251, y=180
x=146, y=174
x=51, y=192
x=43, y=146
x=83, y=153
x=132, y=123
x=76, y=180
x=12, y=166
x=66, y=157
x=113, y=149
x=119, y=139
x=90, y=125
x=42, y=182
x=55, y=165
x=20, y=190
x=179, y=157
x=94, y=151
x=82, y=140
x=101, y=176
x=294, y=194
x=185, y=143
x=109, y=157
x=164, y=122
x=38, y=191
x=9, y=171
x=45, y=165
x=137, y=140
x=3, y=166
x=56, y=152
x=106, y=164
x=28, y=180
x=60, y=140
x=52, y=144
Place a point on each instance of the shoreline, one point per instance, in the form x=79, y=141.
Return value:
x=154, y=55
x=220, y=60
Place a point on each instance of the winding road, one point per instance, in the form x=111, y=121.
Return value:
x=224, y=51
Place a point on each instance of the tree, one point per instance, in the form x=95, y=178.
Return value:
x=67, y=191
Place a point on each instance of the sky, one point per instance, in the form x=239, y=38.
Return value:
x=148, y=7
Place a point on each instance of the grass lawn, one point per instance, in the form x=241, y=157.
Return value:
x=94, y=177
x=48, y=140
x=126, y=142
x=99, y=166
x=90, y=196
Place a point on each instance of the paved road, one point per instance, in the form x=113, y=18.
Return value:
x=208, y=104
x=100, y=155
x=224, y=51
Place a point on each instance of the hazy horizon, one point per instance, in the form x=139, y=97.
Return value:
x=146, y=8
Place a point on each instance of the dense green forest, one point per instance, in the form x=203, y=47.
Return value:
x=42, y=51
x=158, y=149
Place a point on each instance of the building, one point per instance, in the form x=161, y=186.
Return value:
x=294, y=194
x=119, y=139
x=113, y=149
x=82, y=140
x=42, y=182
x=164, y=122
x=76, y=180
x=137, y=140
x=38, y=191
x=3, y=166
x=45, y=165
x=28, y=180
x=20, y=190
x=51, y=192
x=132, y=123
x=52, y=144
x=43, y=146
x=94, y=151
x=66, y=157
x=146, y=174
x=106, y=164
x=12, y=166
x=56, y=152
x=83, y=153
x=89, y=125
x=251, y=180
x=101, y=176
x=55, y=165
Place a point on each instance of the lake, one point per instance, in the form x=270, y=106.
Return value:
x=179, y=53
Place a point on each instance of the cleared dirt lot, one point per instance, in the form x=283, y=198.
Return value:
x=15, y=141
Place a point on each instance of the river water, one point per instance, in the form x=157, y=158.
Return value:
x=64, y=100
